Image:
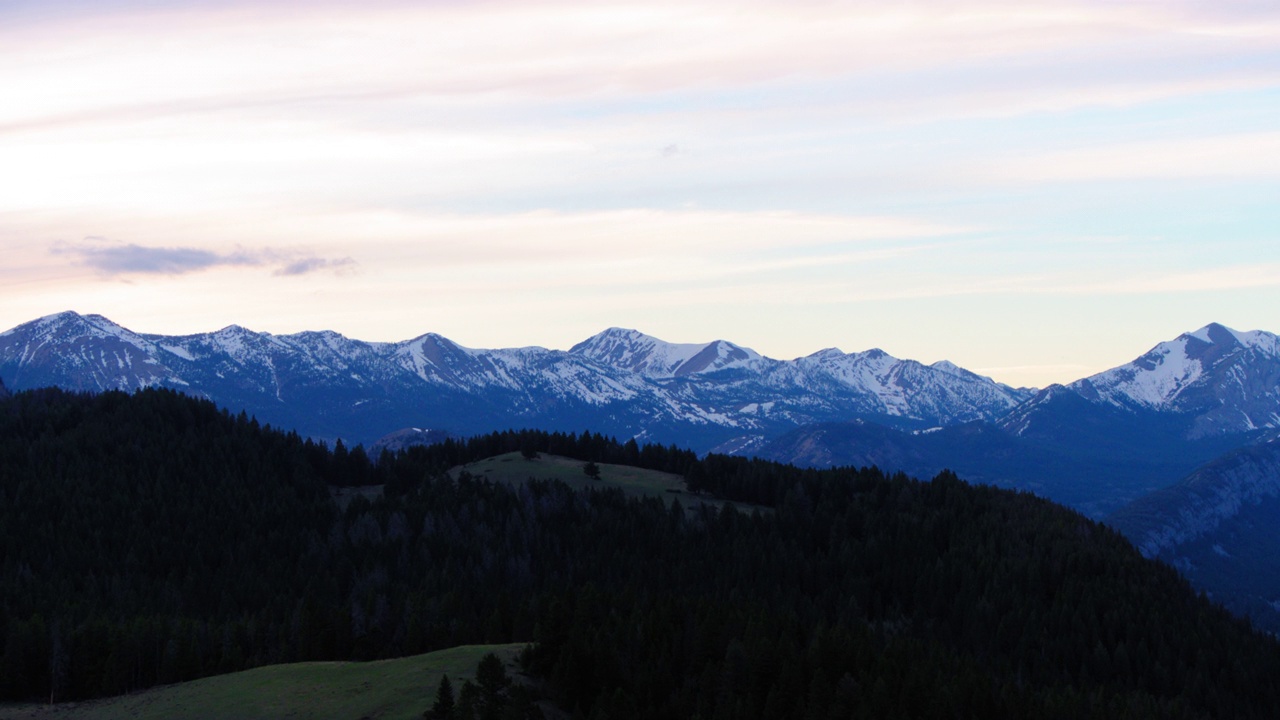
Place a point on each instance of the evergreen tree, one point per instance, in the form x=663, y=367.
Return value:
x=469, y=705
x=442, y=708
x=492, y=678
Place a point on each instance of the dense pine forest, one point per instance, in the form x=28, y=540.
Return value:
x=152, y=538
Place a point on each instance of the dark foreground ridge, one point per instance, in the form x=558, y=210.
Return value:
x=152, y=538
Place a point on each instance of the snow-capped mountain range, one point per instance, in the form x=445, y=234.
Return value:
x=620, y=381
x=1215, y=380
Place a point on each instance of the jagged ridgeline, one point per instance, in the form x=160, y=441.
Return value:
x=152, y=538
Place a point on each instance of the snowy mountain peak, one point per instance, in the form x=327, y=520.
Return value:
x=950, y=368
x=636, y=352
x=1214, y=333
x=235, y=331
x=432, y=346
x=56, y=317
x=68, y=325
x=1221, y=335
x=718, y=355
x=1224, y=380
x=99, y=321
x=1162, y=374
x=243, y=345
x=827, y=354
x=56, y=324
x=617, y=335
x=52, y=321
x=80, y=352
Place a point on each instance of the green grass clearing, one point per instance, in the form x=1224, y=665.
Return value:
x=399, y=689
x=513, y=468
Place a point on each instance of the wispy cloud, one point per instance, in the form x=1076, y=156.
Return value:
x=231, y=56
x=114, y=259
x=128, y=259
x=304, y=266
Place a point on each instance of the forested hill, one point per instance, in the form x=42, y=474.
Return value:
x=150, y=538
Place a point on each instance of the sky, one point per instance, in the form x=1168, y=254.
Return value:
x=1036, y=191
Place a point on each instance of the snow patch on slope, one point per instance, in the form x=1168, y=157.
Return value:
x=1154, y=379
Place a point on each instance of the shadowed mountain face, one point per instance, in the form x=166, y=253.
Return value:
x=1096, y=470
x=1204, y=501
x=620, y=382
x=1219, y=527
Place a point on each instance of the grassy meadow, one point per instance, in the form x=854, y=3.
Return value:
x=399, y=689
x=514, y=468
